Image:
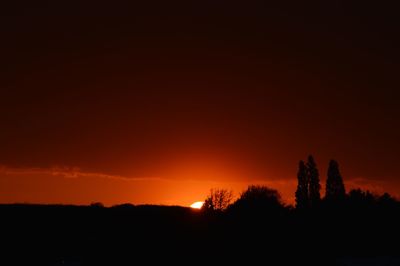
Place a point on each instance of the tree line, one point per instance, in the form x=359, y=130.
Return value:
x=307, y=195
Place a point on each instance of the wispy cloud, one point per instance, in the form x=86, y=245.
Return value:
x=67, y=172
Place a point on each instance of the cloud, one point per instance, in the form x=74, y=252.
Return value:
x=67, y=172
x=371, y=184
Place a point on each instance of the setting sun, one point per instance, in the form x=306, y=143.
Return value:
x=197, y=205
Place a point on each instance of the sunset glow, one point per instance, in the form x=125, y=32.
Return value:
x=197, y=205
x=82, y=123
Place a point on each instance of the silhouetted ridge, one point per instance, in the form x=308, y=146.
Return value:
x=256, y=228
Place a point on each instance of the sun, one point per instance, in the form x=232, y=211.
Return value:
x=197, y=205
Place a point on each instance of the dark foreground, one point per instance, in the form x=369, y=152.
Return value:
x=143, y=235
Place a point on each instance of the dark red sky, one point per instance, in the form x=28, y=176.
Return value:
x=184, y=95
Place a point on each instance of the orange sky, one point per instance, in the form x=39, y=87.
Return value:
x=72, y=186
x=158, y=102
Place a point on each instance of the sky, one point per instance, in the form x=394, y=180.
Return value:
x=157, y=102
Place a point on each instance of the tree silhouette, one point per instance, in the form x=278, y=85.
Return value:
x=359, y=197
x=387, y=200
x=335, y=189
x=302, y=187
x=313, y=177
x=256, y=198
x=218, y=200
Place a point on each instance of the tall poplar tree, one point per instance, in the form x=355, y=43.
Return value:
x=335, y=189
x=302, y=187
x=313, y=177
